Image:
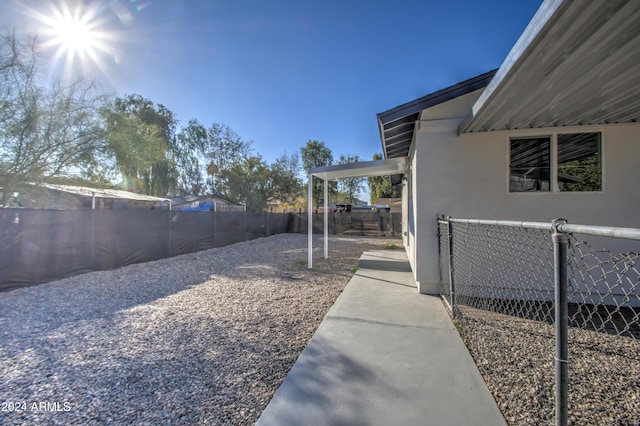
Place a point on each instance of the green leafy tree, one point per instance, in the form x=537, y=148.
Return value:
x=351, y=187
x=316, y=154
x=286, y=186
x=142, y=136
x=380, y=186
x=251, y=181
x=224, y=149
x=191, y=163
x=137, y=148
x=247, y=182
x=45, y=130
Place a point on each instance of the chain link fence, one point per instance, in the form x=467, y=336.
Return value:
x=499, y=280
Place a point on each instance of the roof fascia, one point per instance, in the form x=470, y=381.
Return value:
x=436, y=98
x=417, y=105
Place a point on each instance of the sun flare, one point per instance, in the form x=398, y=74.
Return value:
x=74, y=34
x=77, y=34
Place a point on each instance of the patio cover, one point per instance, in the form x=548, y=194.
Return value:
x=391, y=166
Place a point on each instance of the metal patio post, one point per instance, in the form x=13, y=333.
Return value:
x=326, y=221
x=560, y=244
x=310, y=223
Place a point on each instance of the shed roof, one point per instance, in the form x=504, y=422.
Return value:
x=101, y=193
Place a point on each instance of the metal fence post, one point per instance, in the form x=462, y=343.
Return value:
x=452, y=288
x=560, y=244
x=170, y=213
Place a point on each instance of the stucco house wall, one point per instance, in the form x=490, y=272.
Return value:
x=467, y=176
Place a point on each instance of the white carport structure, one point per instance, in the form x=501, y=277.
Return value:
x=389, y=167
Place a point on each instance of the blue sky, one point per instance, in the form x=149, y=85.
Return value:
x=281, y=72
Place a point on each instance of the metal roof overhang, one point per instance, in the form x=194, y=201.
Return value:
x=392, y=166
x=398, y=124
x=576, y=63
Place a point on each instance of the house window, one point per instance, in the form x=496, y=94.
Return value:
x=579, y=162
x=530, y=164
x=576, y=163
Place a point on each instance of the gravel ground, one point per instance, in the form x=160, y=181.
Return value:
x=203, y=338
x=516, y=358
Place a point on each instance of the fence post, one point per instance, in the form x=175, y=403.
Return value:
x=451, y=283
x=170, y=232
x=560, y=244
x=92, y=248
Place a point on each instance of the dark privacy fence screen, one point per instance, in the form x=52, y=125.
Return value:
x=43, y=245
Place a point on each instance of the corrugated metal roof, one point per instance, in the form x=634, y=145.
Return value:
x=577, y=63
x=101, y=193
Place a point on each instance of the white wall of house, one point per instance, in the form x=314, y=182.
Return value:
x=467, y=176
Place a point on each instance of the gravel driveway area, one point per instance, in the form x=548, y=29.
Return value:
x=202, y=338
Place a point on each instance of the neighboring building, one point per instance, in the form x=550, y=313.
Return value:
x=205, y=203
x=393, y=204
x=552, y=133
x=70, y=197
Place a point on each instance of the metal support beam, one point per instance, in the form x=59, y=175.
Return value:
x=310, y=224
x=326, y=220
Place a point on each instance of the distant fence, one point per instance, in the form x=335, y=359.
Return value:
x=43, y=245
x=518, y=290
x=357, y=222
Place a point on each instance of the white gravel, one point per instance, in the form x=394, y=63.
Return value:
x=203, y=338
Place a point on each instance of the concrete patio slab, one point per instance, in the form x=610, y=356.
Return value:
x=384, y=355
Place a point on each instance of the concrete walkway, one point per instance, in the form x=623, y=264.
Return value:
x=384, y=355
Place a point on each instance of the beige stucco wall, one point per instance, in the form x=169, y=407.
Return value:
x=467, y=176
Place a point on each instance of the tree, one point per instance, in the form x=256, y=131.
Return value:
x=251, y=181
x=142, y=137
x=380, y=186
x=224, y=149
x=316, y=154
x=45, y=131
x=247, y=182
x=190, y=160
x=350, y=186
x=285, y=183
x=137, y=147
